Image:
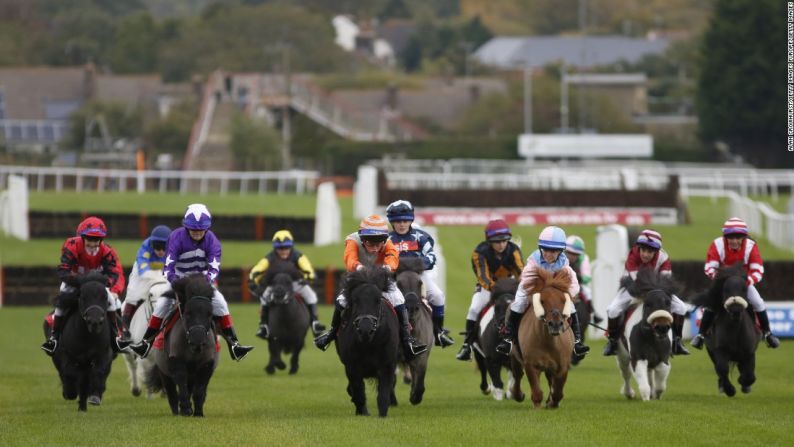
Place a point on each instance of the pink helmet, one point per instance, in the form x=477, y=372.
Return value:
x=734, y=225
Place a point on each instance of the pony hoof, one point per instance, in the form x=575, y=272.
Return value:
x=293, y=370
x=519, y=397
x=280, y=365
x=746, y=389
x=362, y=412
x=498, y=394
x=406, y=380
x=136, y=392
x=94, y=400
x=198, y=415
x=186, y=412
x=270, y=369
x=486, y=390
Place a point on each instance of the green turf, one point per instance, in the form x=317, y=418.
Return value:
x=246, y=407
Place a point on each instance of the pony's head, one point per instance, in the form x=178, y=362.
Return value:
x=197, y=311
x=409, y=281
x=364, y=291
x=279, y=277
x=93, y=301
x=656, y=293
x=730, y=287
x=551, y=302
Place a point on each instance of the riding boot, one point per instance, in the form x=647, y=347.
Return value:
x=126, y=319
x=51, y=344
x=411, y=347
x=771, y=341
x=317, y=327
x=705, y=325
x=678, y=330
x=264, y=329
x=579, y=348
x=142, y=348
x=613, y=334
x=117, y=344
x=325, y=339
x=471, y=335
x=441, y=334
x=236, y=350
x=510, y=332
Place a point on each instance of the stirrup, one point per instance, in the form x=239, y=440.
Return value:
x=580, y=348
x=238, y=351
x=263, y=332
x=771, y=341
x=50, y=346
x=323, y=340
x=465, y=353
x=141, y=349
x=611, y=347
x=317, y=327
x=414, y=347
x=443, y=340
x=697, y=341
x=505, y=346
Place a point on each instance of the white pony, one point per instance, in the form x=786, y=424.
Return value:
x=644, y=349
x=138, y=367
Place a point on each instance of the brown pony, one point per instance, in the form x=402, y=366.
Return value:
x=545, y=342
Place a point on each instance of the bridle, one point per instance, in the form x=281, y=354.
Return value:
x=195, y=326
x=374, y=319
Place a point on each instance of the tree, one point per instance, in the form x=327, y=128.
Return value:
x=135, y=49
x=740, y=88
x=255, y=145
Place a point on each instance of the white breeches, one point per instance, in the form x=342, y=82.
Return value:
x=755, y=299
x=479, y=300
x=165, y=304
x=433, y=293
x=114, y=303
x=622, y=302
x=392, y=294
x=306, y=292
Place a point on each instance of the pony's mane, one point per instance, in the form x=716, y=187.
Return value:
x=375, y=276
x=192, y=285
x=504, y=286
x=280, y=266
x=647, y=280
x=93, y=277
x=414, y=264
x=560, y=280
x=712, y=298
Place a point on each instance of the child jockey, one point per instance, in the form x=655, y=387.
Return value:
x=370, y=247
x=84, y=253
x=284, y=251
x=495, y=258
x=735, y=246
x=646, y=253
x=416, y=243
x=550, y=257
x=193, y=249
x=146, y=273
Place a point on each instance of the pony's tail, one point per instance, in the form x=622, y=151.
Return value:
x=154, y=383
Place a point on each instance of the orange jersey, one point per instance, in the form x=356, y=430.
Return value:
x=356, y=254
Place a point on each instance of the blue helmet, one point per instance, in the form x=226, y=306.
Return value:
x=160, y=233
x=552, y=238
x=400, y=211
x=197, y=217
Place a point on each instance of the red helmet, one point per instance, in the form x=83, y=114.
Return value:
x=92, y=227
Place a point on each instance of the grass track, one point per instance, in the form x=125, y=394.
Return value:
x=246, y=407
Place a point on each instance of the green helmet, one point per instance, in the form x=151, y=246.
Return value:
x=574, y=244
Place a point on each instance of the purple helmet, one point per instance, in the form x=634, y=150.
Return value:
x=197, y=217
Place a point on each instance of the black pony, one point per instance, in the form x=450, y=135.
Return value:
x=409, y=281
x=733, y=337
x=488, y=360
x=644, y=349
x=83, y=357
x=368, y=338
x=189, y=356
x=288, y=318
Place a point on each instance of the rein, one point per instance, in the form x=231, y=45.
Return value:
x=85, y=312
